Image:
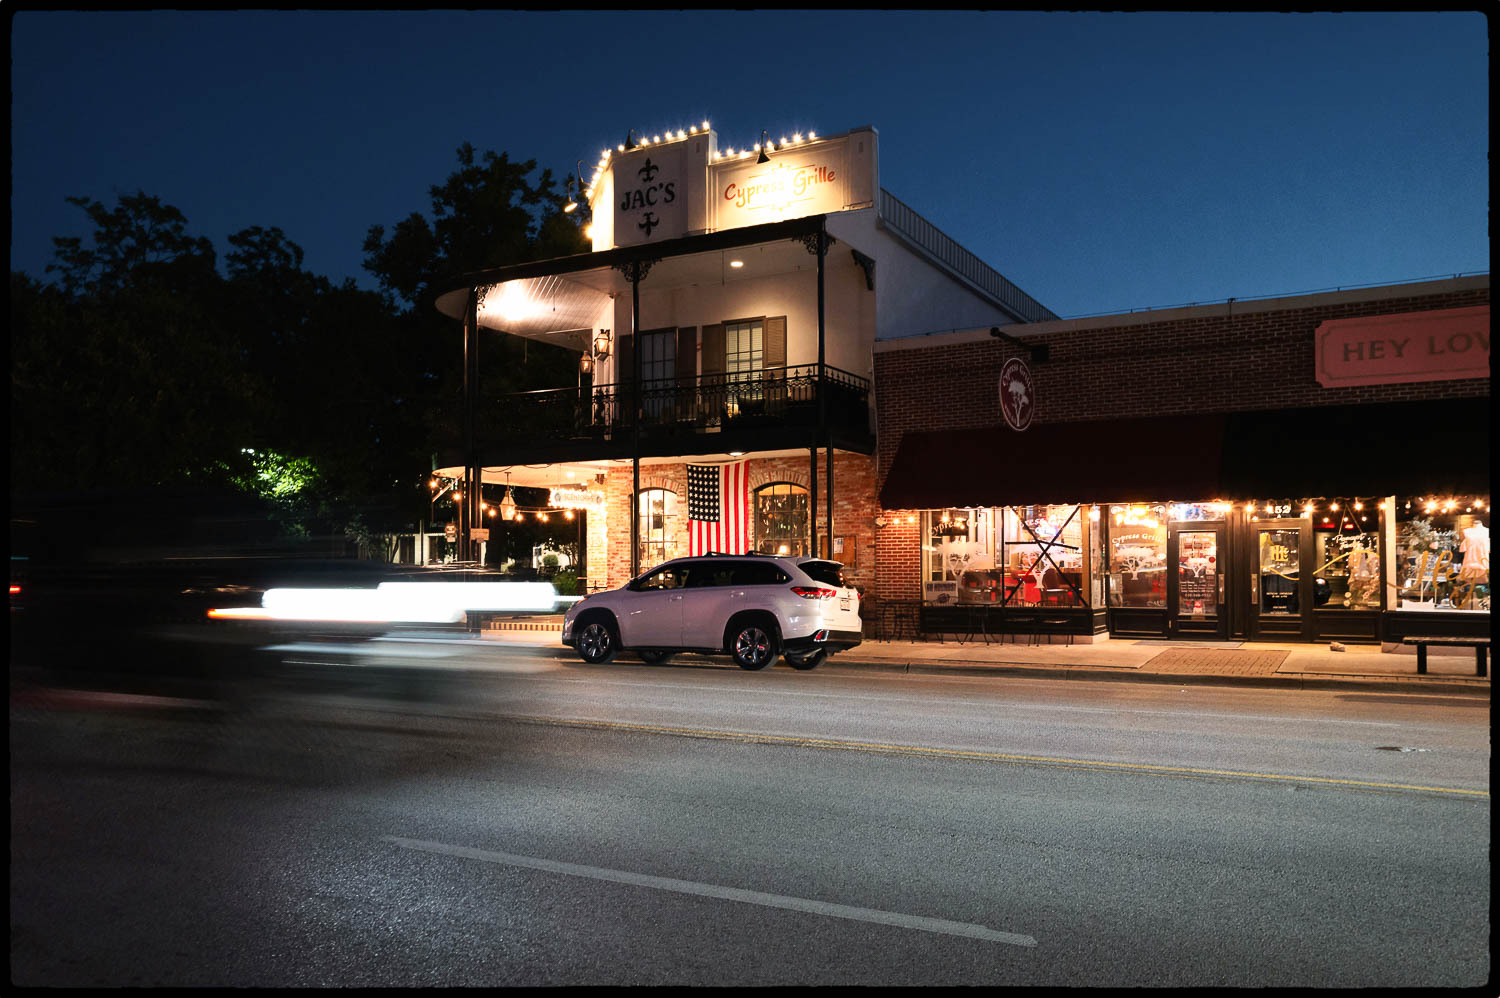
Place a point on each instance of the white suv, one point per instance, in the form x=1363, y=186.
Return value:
x=753, y=607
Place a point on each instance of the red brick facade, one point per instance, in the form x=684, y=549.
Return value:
x=853, y=509
x=1223, y=358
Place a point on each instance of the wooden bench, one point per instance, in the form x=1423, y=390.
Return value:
x=1481, y=648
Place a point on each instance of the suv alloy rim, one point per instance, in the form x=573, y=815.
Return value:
x=753, y=646
x=594, y=641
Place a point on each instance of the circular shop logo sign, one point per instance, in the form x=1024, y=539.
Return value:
x=1017, y=400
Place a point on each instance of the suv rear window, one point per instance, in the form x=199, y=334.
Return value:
x=830, y=573
x=758, y=573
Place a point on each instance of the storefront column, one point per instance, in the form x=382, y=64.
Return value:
x=634, y=272
x=823, y=392
x=470, y=504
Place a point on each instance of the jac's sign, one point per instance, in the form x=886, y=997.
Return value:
x=1412, y=346
x=650, y=195
x=794, y=184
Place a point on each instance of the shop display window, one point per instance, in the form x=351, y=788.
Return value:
x=658, y=518
x=1011, y=556
x=1443, y=553
x=958, y=556
x=781, y=519
x=1044, y=556
x=1346, y=541
x=1138, y=556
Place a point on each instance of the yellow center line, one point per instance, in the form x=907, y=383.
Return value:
x=855, y=746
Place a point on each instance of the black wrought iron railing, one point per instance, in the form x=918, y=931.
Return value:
x=704, y=403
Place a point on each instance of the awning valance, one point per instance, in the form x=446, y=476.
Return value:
x=1399, y=448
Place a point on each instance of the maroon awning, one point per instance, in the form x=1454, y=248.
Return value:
x=1121, y=460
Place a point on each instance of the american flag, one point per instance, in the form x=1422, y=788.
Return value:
x=718, y=508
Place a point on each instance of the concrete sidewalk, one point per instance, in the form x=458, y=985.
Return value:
x=1294, y=666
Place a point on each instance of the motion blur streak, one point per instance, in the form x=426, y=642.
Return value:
x=407, y=602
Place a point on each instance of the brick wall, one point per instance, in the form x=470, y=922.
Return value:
x=853, y=509
x=1201, y=363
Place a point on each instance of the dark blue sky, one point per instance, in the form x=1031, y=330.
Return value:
x=1100, y=161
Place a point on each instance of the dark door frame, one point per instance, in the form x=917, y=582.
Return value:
x=1180, y=625
x=1273, y=626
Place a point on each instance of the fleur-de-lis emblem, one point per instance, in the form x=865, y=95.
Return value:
x=649, y=223
x=648, y=171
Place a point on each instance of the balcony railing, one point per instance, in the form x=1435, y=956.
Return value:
x=703, y=404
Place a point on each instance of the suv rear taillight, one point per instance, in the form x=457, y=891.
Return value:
x=814, y=592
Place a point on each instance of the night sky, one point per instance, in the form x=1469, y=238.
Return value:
x=1100, y=161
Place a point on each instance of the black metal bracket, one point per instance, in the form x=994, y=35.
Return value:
x=1039, y=351
x=635, y=271
x=811, y=242
x=869, y=267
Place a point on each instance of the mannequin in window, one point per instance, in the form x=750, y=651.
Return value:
x=1476, y=551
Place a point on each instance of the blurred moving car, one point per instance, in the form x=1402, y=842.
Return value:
x=752, y=607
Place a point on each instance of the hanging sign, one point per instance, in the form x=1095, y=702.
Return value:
x=585, y=499
x=450, y=532
x=650, y=196
x=1017, y=399
x=1440, y=345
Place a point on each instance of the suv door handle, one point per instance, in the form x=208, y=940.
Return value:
x=675, y=599
x=737, y=593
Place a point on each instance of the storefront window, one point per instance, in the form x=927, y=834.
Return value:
x=1015, y=556
x=1044, y=556
x=1138, y=556
x=958, y=556
x=1443, y=553
x=781, y=519
x=1346, y=541
x=658, y=518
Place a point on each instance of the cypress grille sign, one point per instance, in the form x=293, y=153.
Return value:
x=1017, y=398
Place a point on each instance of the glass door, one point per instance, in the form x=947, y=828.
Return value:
x=1195, y=586
x=1280, y=585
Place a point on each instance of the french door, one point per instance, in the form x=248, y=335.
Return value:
x=1280, y=579
x=1195, y=581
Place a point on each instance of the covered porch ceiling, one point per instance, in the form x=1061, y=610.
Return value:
x=545, y=476
x=561, y=300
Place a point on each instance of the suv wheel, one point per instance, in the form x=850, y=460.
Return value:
x=807, y=661
x=753, y=645
x=597, y=643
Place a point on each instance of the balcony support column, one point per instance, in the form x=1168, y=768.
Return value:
x=468, y=508
x=635, y=433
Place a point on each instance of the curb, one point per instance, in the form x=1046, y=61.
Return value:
x=1457, y=685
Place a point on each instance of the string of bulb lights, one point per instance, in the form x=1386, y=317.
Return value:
x=681, y=134
x=507, y=508
x=1257, y=508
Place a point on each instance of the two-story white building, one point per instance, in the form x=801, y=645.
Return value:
x=725, y=323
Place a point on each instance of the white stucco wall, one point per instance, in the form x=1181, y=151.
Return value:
x=848, y=311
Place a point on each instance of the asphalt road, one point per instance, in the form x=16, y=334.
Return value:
x=514, y=820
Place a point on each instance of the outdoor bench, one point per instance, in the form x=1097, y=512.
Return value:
x=1480, y=645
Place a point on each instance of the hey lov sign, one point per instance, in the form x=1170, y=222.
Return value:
x=1441, y=345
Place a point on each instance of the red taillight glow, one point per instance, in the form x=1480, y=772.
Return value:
x=814, y=592
x=14, y=589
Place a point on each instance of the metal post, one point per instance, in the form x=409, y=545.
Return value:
x=635, y=461
x=470, y=390
x=823, y=396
